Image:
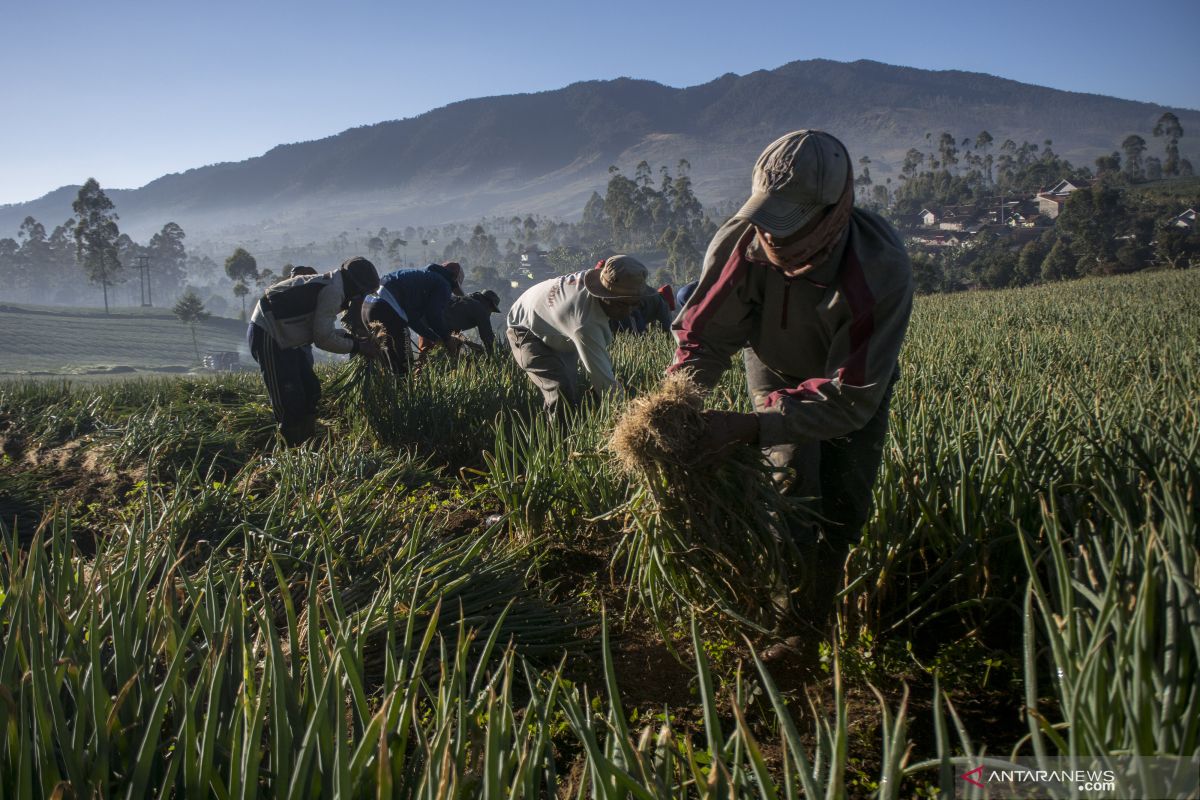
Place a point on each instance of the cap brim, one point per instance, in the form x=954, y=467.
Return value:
x=777, y=216
x=591, y=282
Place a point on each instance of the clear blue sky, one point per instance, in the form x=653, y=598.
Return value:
x=128, y=91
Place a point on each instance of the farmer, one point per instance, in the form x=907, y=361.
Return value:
x=293, y=314
x=471, y=311
x=668, y=295
x=631, y=323
x=820, y=291
x=654, y=310
x=563, y=319
x=684, y=292
x=290, y=271
x=416, y=299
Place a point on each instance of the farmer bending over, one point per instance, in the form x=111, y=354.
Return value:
x=821, y=292
x=563, y=319
x=416, y=299
x=294, y=314
x=655, y=310
x=652, y=311
x=464, y=313
x=290, y=271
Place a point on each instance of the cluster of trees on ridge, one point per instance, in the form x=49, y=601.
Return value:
x=1120, y=223
x=1117, y=224
x=635, y=214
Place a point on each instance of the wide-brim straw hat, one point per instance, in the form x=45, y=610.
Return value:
x=620, y=277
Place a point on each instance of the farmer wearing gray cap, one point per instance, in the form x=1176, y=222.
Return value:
x=294, y=314
x=561, y=322
x=818, y=292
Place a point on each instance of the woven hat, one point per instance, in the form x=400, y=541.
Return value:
x=618, y=278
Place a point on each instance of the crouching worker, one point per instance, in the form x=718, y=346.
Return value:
x=821, y=292
x=413, y=299
x=294, y=314
x=472, y=311
x=655, y=311
x=564, y=321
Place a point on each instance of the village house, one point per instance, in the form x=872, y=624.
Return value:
x=1185, y=220
x=1022, y=213
x=1022, y=219
x=1017, y=220
x=907, y=222
x=999, y=211
x=957, y=218
x=938, y=239
x=1050, y=202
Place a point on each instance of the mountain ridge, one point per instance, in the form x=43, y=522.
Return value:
x=545, y=151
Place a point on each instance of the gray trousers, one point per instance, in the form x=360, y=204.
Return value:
x=838, y=473
x=555, y=374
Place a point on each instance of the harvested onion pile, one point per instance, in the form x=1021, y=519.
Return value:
x=703, y=533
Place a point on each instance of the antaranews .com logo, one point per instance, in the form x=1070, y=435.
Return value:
x=1098, y=777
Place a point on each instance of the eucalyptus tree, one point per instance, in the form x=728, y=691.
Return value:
x=1134, y=146
x=96, y=234
x=983, y=144
x=168, y=256
x=1169, y=127
x=190, y=310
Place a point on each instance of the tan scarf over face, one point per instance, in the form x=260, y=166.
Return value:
x=799, y=256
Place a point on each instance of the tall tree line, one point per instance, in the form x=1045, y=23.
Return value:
x=88, y=253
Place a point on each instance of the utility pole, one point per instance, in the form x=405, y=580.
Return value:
x=144, y=275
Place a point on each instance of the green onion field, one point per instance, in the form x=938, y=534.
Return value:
x=452, y=596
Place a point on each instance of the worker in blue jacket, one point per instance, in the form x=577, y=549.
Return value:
x=685, y=293
x=413, y=299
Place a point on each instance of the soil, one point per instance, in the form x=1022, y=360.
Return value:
x=36, y=482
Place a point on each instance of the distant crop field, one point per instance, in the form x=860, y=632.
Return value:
x=39, y=339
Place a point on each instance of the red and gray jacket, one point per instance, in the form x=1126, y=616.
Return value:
x=836, y=331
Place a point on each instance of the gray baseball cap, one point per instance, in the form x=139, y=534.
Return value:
x=797, y=177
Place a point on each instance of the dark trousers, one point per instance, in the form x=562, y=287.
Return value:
x=838, y=474
x=397, y=352
x=291, y=384
x=555, y=374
